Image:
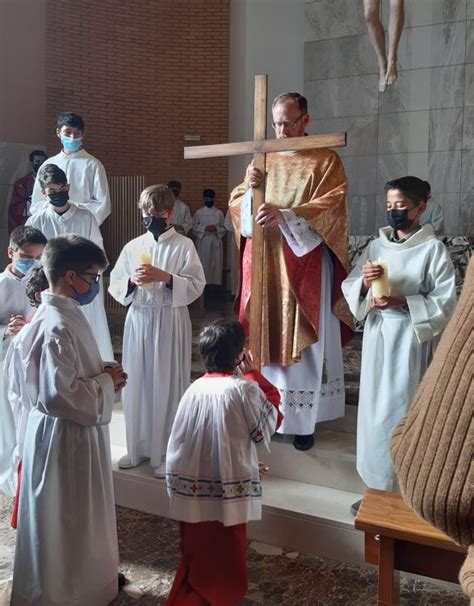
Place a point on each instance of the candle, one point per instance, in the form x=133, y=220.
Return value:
x=380, y=286
x=145, y=259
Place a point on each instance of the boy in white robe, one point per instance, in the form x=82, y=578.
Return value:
x=62, y=216
x=66, y=549
x=402, y=327
x=158, y=274
x=208, y=229
x=88, y=182
x=25, y=249
x=181, y=218
x=213, y=472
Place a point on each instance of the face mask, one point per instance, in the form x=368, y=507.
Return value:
x=58, y=198
x=175, y=192
x=398, y=218
x=71, y=145
x=24, y=265
x=209, y=203
x=155, y=225
x=87, y=297
x=36, y=168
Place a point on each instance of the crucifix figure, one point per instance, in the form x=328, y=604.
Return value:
x=294, y=257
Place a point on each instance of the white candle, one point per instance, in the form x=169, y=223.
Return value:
x=145, y=259
x=380, y=286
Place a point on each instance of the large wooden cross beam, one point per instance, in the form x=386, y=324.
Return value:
x=259, y=147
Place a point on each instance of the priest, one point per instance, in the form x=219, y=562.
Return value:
x=305, y=318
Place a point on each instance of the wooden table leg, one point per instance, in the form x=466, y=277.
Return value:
x=389, y=585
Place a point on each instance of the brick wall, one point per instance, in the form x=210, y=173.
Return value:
x=143, y=73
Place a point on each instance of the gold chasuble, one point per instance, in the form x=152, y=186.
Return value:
x=313, y=185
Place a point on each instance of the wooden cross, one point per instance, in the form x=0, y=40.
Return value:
x=259, y=147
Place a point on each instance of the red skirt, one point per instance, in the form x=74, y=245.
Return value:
x=213, y=567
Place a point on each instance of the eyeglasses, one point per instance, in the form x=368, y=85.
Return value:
x=84, y=273
x=287, y=123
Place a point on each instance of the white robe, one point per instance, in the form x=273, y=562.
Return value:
x=79, y=222
x=209, y=244
x=13, y=300
x=157, y=339
x=397, y=343
x=311, y=390
x=232, y=254
x=182, y=216
x=212, y=459
x=88, y=185
x=66, y=548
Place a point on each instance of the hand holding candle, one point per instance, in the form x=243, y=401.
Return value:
x=375, y=276
x=145, y=259
x=380, y=286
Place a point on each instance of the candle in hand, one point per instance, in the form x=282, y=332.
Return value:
x=145, y=259
x=380, y=286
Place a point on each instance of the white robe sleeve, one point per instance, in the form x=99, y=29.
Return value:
x=187, y=220
x=119, y=280
x=189, y=283
x=359, y=304
x=221, y=230
x=37, y=199
x=260, y=414
x=199, y=228
x=246, y=220
x=85, y=401
x=431, y=312
x=299, y=234
x=99, y=205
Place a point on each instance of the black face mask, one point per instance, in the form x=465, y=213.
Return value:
x=209, y=203
x=398, y=218
x=36, y=167
x=59, y=198
x=175, y=192
x=155, y=225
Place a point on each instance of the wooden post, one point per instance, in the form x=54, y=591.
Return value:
x=258, y=243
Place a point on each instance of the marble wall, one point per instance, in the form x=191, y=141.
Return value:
x=422, y=125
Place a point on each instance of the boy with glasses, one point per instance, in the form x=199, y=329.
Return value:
x=66, y=549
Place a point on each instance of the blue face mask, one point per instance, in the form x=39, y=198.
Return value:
x=86, y=297
x=71, y=145
x=24, y=265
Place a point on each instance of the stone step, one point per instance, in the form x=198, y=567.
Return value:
x=347, y=423
x=297, y=516
x=330, y=463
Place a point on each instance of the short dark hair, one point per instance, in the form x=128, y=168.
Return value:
x=71, y=253
x=70, y=119
x=51, y=175
x=174, y=185
x=24, y=235
x=220, y=343
x=36, y=282
x=36, y=152
x=412, y=188
x=300, y=101
x=208, y=193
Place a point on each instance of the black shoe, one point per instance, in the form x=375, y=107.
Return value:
x=303, y=442
x=121, y=580
x=355, y=507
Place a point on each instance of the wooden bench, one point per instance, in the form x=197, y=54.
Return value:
x=396, y=538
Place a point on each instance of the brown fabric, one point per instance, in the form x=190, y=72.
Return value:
x=432, y=447
x=466, y=576
x=313, y=185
